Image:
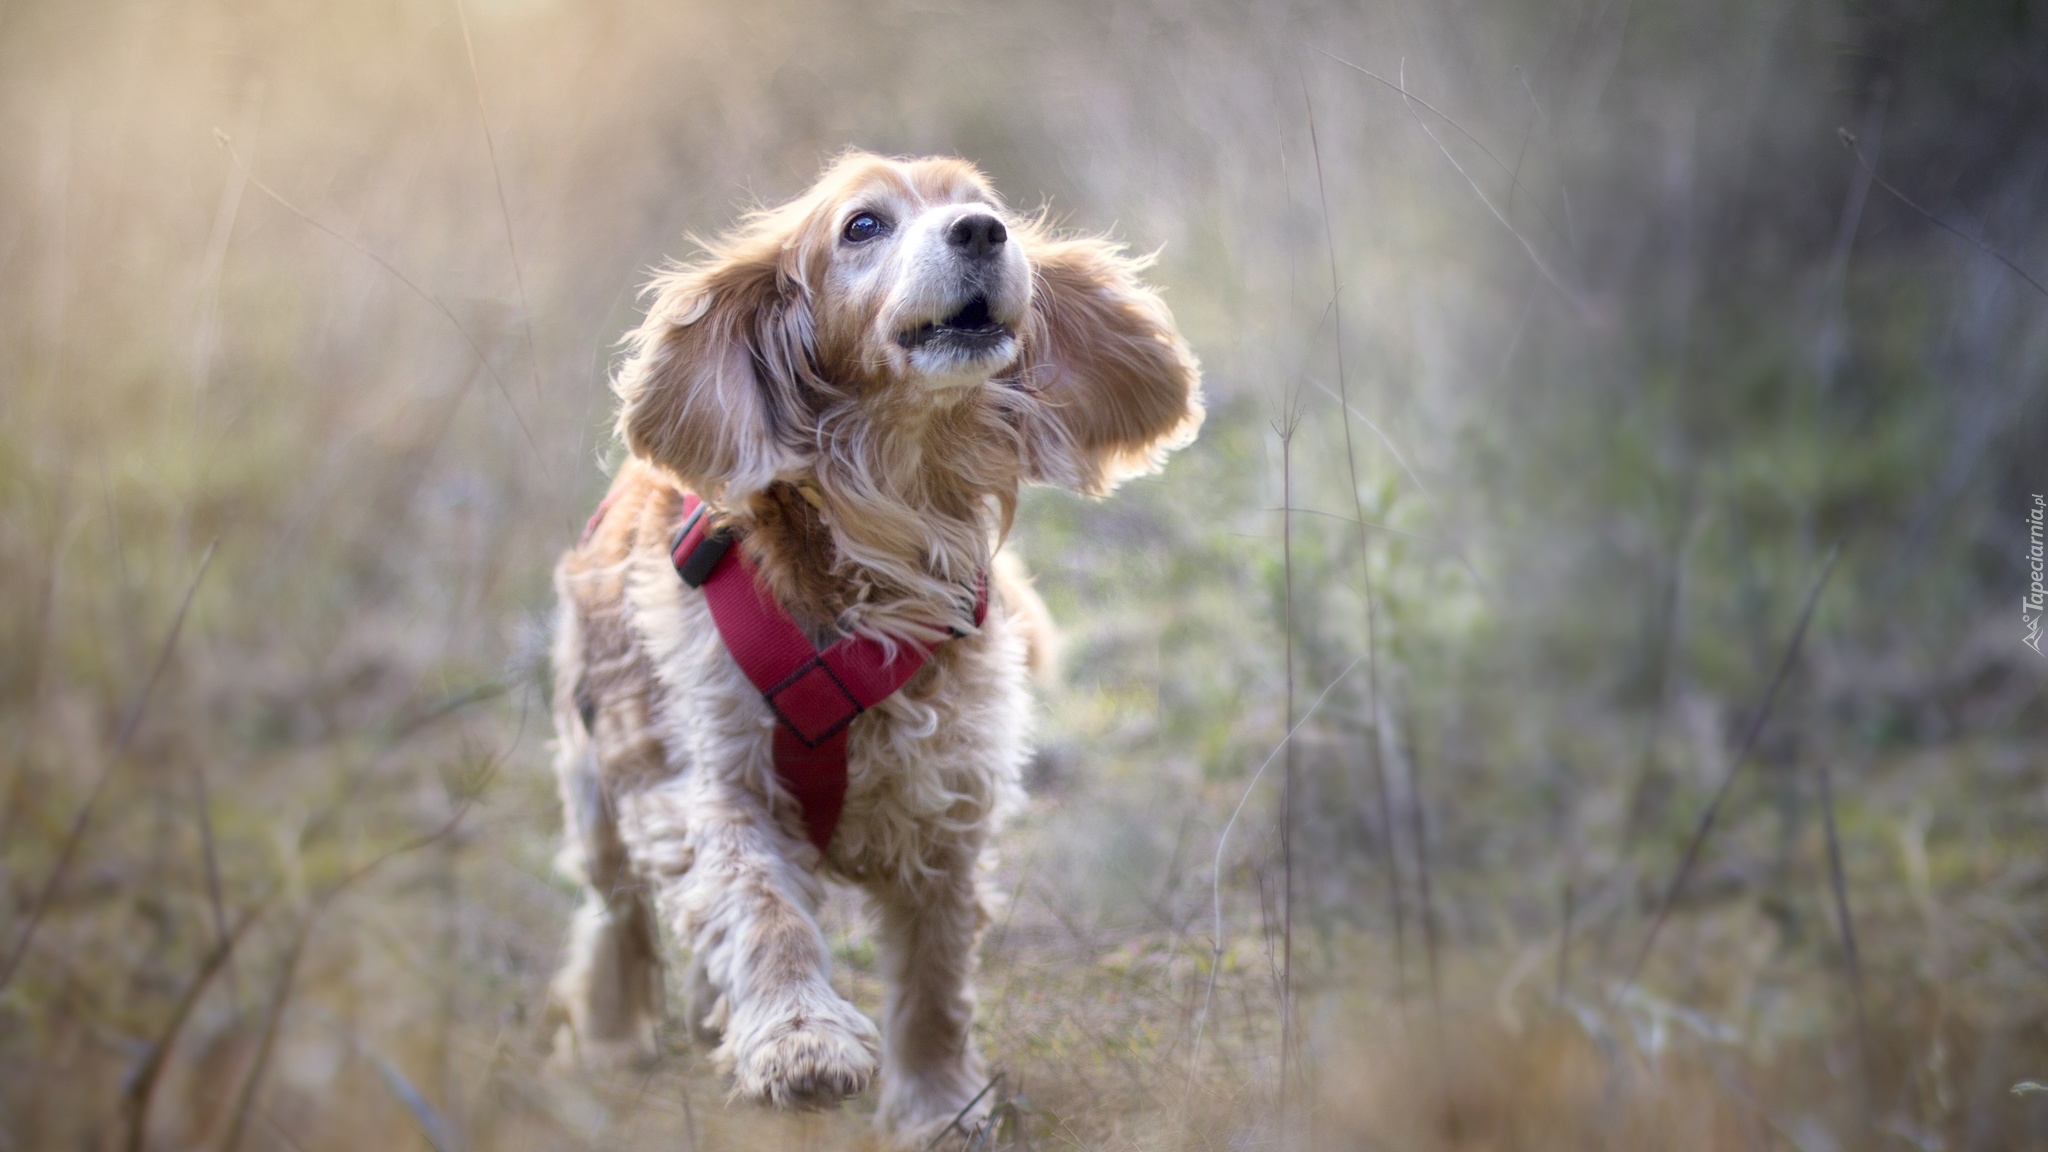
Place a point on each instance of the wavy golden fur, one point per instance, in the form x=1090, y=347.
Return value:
x=859, y=381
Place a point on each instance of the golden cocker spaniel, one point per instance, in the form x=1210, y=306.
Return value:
x=854, y=385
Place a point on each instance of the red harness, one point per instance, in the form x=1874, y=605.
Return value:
x=814, y=694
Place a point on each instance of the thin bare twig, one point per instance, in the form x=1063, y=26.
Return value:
x=1418, y=537
x=1389, y=861
x=1849, y=142
x=1564, y=929
x=1513, y=174
x=1286, y=427
x=1749, y=739
x=210, y=859
x=1216, y=868
x=954, y=1125
x=1664, y=649
x=245, y=1098
x=1542, y=266
x=689, y=1116
x=1828, y=348
x=228, y=143
x=1851, y=956
x=280, y=1131
x=129, y=724
x=504, y=209
x=405, y=727
x=1419, y=830
x=1522, y=151
x=142, y=1085
x=438, y=1132
x=1329, y=311
x=1457, y=546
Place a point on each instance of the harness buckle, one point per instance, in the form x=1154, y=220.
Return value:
x=696, y=565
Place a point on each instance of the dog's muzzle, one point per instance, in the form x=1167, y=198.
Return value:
x=971, y=330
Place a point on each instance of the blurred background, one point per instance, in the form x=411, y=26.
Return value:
x=1589, y=344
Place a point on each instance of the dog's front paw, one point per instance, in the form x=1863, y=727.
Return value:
x=809, y=1056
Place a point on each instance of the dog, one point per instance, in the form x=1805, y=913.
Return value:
x=848, y=391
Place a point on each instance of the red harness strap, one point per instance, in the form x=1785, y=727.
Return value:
x=814, y=694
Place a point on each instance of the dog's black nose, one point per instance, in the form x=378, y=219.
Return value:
x=978, y=234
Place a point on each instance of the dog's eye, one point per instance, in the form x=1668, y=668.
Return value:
x=864, y=226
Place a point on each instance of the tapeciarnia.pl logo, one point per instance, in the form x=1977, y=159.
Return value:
x=2036, y=600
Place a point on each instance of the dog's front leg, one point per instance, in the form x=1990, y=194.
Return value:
x=928, y=934
x=744, y=904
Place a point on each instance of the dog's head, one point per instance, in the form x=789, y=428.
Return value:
x=898, y=303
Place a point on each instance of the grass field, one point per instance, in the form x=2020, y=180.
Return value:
x=1567, y=345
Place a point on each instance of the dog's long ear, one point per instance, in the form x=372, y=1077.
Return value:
x=1119, y=387
x=711, y=388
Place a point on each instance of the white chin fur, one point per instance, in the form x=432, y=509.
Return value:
x=941, y=366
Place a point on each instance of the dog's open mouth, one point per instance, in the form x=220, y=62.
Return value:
x=971, y=329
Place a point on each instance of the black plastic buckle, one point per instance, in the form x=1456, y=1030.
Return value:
x=697, y=567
